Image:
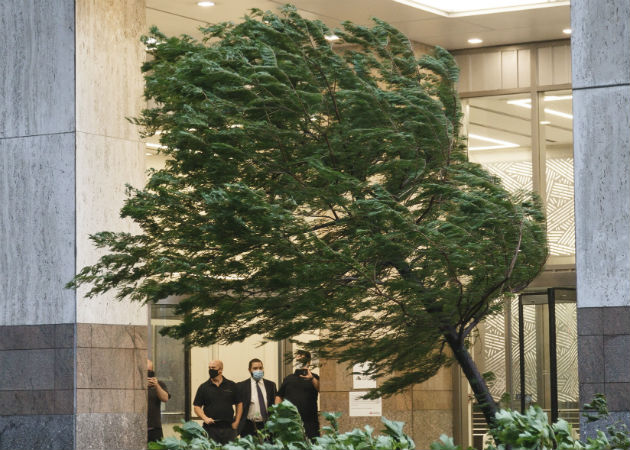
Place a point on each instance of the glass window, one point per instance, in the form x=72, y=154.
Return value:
x=556, y=136
x=500, y=138
x=168, y=359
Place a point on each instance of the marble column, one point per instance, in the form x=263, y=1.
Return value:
x=601, y=107
x=72, y=371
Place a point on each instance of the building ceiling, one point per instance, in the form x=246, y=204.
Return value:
x=185, y=17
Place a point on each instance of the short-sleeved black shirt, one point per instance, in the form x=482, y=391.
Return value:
x=154, y=418
x=217, y=401
x=302, y=394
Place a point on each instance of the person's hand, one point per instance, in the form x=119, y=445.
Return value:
x=152, y=381
x=309, y=375
x=234, y=425
x=208, y=420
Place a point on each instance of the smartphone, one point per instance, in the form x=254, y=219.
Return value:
x=150, y=373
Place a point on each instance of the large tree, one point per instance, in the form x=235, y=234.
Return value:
x=312, y=189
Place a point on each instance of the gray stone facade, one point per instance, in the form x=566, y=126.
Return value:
x=601, y=110
x=72, y=370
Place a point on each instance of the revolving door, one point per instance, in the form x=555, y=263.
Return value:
x=547, y=353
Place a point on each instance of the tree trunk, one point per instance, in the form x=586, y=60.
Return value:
x=484, y=400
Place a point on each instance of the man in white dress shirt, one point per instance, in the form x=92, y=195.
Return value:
x=257, y=395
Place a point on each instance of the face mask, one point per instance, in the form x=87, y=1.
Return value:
x=258, y=374
x=213, y=373
x=150, y=373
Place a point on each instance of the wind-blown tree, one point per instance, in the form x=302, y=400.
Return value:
x=312, y=190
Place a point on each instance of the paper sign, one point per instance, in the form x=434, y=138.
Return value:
x=361, y=381
x=364, y=408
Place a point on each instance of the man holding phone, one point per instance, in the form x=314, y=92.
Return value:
x=302, y=388
x=156, y=393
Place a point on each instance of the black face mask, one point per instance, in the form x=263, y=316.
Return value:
x=150, y=373
x=213, y=373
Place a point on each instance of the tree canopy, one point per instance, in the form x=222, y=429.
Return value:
x=309, y=188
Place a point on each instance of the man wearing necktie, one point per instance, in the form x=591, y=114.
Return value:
x=257, y=395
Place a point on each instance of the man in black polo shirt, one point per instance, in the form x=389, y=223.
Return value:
x=213, y=404
x=301, y=388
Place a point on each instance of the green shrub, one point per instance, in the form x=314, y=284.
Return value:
x=532, y=431
x=284, y=430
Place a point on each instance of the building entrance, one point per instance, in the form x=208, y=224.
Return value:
x=547, y=353
x=529, y=353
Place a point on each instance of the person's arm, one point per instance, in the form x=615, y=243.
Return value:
x=272, y=394
x=202, y=415
x=309, y=376
x=239, y=413
x=281, y=391
x=315, y=382
x=161, y=392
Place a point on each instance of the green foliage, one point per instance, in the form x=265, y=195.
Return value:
x=616, y=432
x=532, y=431
x=284, y=430
x=310, y=189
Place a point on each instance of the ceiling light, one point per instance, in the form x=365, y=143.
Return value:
x=458, y=8
x=332, y=37
x=500, y=144
x=523, y=103
x=553, y=112
x=475, y=41
x=545, y=122
x=567, y=31
x=149, y=154
x=152, y=145
x=553, y=98
x=205, y=4
x=527, y=103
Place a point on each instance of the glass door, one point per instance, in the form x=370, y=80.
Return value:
x=547, y=344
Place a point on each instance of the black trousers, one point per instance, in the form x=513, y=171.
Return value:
x=220, y=434
x=251, y=428
x=312, y=429
x=155, y=434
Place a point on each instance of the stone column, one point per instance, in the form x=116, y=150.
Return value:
x=601, y=107
x=72, y=371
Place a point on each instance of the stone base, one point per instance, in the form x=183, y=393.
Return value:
x=73, y=386
x=41, y=432
x=604, y=362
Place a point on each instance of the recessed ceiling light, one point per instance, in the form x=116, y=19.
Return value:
x=152, y=145
x=545, y=122
x=567, y=31
x=459, y=8
x=205, y=4
x=331, y=37
x=500, y=144
x=475, y=41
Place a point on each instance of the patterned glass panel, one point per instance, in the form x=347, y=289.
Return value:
x=560, y=215
x=557, y=133
x=566, y=350
x=494, y=353
x=531, y=374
